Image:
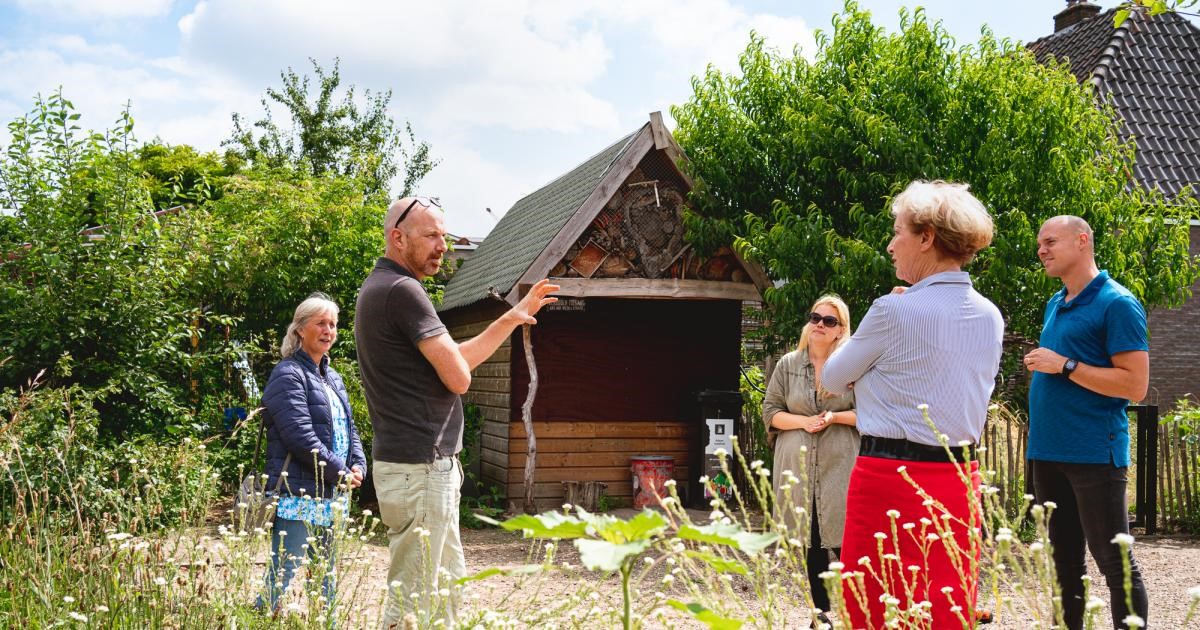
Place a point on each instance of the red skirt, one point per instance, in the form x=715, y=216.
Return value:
x=928, y=570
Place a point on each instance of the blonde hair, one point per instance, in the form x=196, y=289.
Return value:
x=961, y=224
x=312, y=306
x=843, y=315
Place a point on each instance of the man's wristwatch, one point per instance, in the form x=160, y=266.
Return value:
x=1069, y=367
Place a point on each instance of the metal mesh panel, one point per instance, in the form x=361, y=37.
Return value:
x=639, y=233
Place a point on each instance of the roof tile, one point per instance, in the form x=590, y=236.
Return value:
x=525, y=230
x=1149, y=69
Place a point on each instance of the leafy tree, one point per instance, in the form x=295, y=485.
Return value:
x=328, y=137
x=290, y=234
x=180, y=175
x=92, y=282
x=796, y=161
x=1152, y=8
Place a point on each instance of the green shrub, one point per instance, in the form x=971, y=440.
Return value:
x=55, y=468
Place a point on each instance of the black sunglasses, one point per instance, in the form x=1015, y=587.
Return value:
x=428, y=202
x=829, y=320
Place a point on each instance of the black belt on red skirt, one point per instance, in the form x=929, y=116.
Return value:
x=898, y=448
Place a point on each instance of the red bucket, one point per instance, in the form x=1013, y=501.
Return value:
x=650, y=473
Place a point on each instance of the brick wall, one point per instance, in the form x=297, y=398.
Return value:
x=1175, y=347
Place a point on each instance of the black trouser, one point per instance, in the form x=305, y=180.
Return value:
x=1092, y=509
x=818, y=563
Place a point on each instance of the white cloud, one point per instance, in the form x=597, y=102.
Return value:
x=180, y=103
x=557, y=80
x=80, y=10
x=467, y=183
x=507, y=61
x=563, y=110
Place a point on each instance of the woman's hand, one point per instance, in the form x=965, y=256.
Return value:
x=814, y=424
x=356, y=477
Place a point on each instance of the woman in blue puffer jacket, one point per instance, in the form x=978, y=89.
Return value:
x=313, y=445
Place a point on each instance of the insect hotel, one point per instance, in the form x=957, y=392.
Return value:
x=643, y=325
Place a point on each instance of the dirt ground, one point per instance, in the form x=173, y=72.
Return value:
x=1170, y=565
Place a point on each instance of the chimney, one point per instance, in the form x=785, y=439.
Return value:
x=1076, y=12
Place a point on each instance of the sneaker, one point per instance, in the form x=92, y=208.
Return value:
x=982, y=616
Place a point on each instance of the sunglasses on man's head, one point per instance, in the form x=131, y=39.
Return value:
x=829, y=320
x=428, y=202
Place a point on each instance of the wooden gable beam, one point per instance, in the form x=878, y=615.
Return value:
x=663, y=289
x=641, y=144
x=665, y=141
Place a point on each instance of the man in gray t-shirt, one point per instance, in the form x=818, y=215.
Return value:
x=413, y=374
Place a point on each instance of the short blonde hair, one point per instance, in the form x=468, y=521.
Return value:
x=843, y=315
x=961, y=224
x=314, y=305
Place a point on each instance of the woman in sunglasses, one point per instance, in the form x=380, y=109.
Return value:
x=815, y=435
x=923, y=363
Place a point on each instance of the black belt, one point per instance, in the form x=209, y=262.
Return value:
x=895, y=448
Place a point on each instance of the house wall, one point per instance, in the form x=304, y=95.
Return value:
x=1175, y=347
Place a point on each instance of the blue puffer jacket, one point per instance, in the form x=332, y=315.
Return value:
x=300, y=420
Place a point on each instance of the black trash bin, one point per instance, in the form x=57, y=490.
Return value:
x=720, y=417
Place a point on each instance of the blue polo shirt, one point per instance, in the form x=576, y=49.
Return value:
x=1070, y=423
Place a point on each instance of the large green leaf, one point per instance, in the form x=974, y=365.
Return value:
x=730, y=535
x=642, y=526
x=601, y=555
x=706, y=616
x=722, y=565
x=525, y=569
x=547, y=525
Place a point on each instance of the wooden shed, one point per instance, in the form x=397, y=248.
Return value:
x=642, y=326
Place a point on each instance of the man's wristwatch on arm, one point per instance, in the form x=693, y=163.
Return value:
x=1069, y=367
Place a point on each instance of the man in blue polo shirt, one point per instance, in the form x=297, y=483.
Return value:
x=1092, y=360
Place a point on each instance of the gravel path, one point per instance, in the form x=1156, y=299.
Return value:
x=1171, y=565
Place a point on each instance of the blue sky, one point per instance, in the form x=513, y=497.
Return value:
x=510, y=94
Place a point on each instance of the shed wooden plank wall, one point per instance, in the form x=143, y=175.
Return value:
x=591, y=451
x=490, y=391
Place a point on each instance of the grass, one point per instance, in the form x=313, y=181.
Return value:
x=154, y=560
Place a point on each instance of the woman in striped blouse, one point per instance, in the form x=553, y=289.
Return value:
x=923, y=364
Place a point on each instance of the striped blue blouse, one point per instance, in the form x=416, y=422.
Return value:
x=939, y=344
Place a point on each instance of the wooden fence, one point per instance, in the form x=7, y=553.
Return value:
x=1003, y=454
x=1178, y=478
x=1175, y=476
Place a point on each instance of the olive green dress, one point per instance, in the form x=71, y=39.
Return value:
x=831, y=451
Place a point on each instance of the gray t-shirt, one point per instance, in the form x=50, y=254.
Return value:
x=414, y=417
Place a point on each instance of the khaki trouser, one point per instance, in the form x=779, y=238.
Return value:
x=419, y=505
